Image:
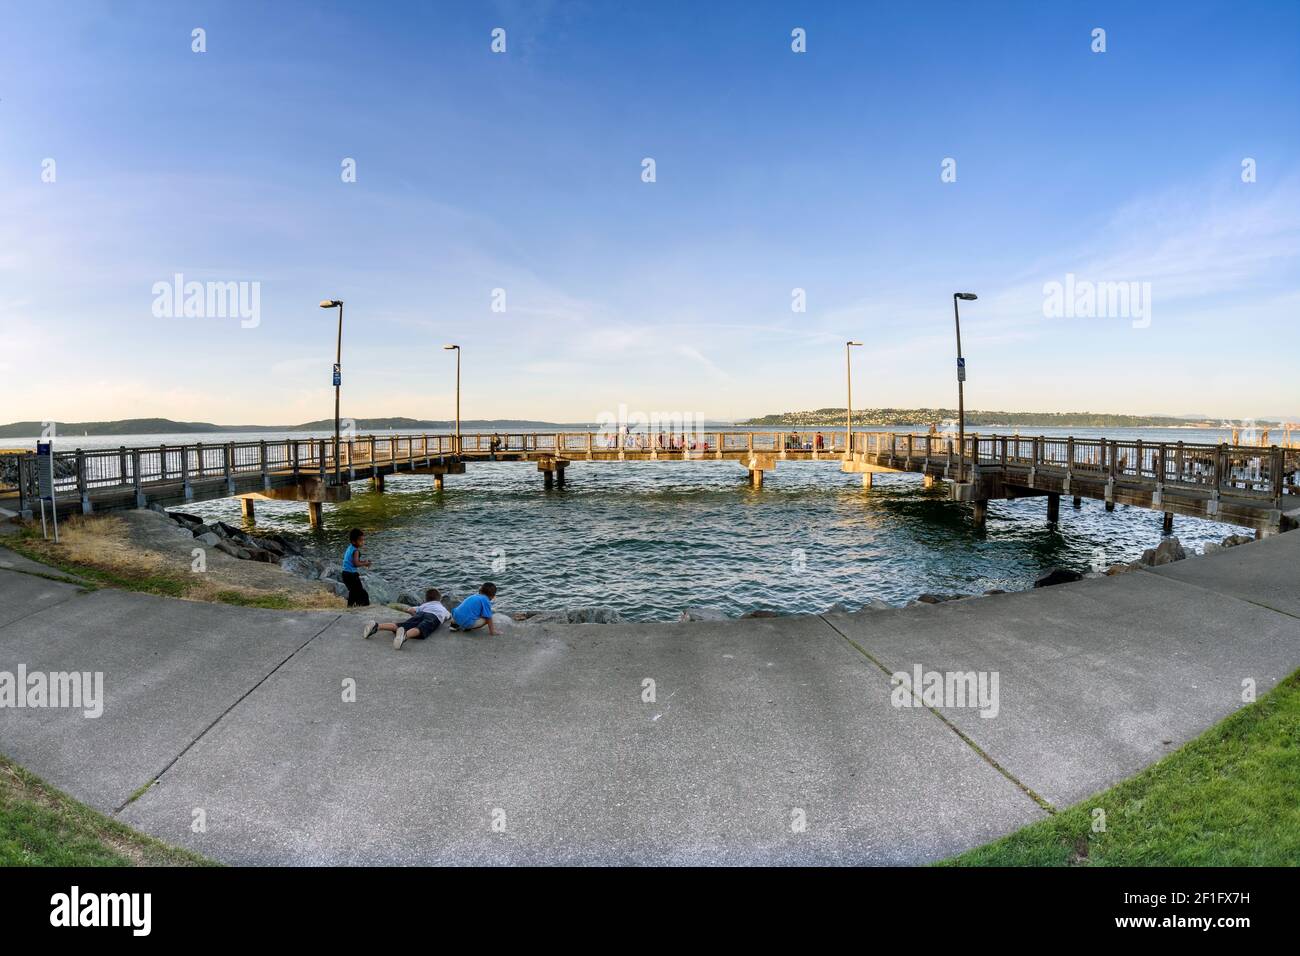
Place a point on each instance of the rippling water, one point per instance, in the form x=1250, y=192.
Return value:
x=651, y=538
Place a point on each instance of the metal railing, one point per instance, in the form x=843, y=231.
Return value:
x=1264, y=473
x=1244, y=471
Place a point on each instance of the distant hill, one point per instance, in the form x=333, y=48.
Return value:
x=829, y=417
x=166, y=426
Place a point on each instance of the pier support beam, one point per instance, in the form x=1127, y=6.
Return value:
x=979, y=512
x=1053, y=509
x=1110, y=506
x=437, y=482
x=1168, y=526
x=377, y=482
x=552, y=470
x=928, y=481
x=1078, y=502
x=756, y=477
x=315, y=514
x=246, y=509
x=866, y=480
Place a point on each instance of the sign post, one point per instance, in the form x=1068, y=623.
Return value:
x=45, y=479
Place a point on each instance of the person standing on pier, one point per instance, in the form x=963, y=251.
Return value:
x=352, y=565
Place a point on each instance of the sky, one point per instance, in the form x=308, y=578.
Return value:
x=127, y=158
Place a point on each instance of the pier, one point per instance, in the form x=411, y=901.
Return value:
x=1250, y=486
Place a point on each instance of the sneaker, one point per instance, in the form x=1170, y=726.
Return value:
x=369, y=629
x=399, y=640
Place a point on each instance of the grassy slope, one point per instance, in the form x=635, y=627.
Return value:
x=1227, y=798
x=42, y=826
x=98, y=551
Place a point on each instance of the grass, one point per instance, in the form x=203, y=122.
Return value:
x=1227, y=798
x=99, y=550
x=42, y=826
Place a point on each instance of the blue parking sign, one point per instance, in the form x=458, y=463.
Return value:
x=338, y=376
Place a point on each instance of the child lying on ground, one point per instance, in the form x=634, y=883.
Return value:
x=424, y=620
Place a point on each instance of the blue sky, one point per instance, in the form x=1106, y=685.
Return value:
x=523, y=171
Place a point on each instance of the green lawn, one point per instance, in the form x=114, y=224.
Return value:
x=41, y=826
x=1231, y=797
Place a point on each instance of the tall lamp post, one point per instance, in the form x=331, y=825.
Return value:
x=338, y=377
x=848, y=412
x=961, y=385
x=456, y=349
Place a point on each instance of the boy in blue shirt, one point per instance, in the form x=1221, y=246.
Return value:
x=352, y=565
x=476, y=611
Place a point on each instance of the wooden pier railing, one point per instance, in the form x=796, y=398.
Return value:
x=1263, y=477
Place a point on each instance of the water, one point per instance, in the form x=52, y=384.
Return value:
x=652, y=538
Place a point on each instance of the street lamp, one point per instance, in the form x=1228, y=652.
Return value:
x=848, y=412
x=338, y=377
x=456, y=349
x=961, y=384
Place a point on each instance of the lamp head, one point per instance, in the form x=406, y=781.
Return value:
x=448, y=348
x=965, y=296
x=852, y=343
x=330, y=303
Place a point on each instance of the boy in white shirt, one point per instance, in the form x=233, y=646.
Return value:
x=424, y=620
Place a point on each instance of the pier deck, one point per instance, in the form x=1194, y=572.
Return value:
x=1249, y=486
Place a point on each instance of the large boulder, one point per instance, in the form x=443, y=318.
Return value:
x=875, y=604
x=749, y=615
x=380, y=590
x=209, y=539
x=1057, y=576
x=1232, y=540
x=301, y=566
x=544, y=617
x=286, y=546
x=594, y=615
x=267, y=544
x=234, y=550
x=1167, y=552
x=703, y=614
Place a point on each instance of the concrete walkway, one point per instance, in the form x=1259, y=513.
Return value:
x=767, y=741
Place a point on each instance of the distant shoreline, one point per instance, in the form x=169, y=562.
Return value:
x=913, y=417
x=865, y=419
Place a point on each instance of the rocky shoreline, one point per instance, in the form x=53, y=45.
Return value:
x=292, y=559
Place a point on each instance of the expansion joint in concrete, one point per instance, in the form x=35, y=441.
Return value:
x=220, y=717
x=1042, y=802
